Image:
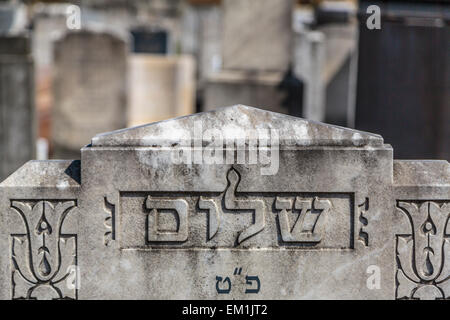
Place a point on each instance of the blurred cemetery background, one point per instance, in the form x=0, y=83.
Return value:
x=131, y=62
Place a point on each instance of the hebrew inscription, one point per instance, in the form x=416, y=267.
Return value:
x=110, y=234
x=423, y=264
x=362, y=211
x=42, y=258
x=307, y=227
x=180, y=207
x=251, y=220
x=224, y=284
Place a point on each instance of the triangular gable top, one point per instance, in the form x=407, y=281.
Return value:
x=233, y=123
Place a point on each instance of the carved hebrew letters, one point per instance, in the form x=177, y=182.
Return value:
x=43, y=256
x=110, y=234
x=306, y=228
x=423, y=269
x=362, y=211
x=199, y=219
x=214, y=214
x=233, y=203
x=180, y=207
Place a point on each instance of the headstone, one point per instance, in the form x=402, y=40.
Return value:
x=150, y=41
x=201, y=37
x=89, y=89
x=160, y=87
x=293, y=209
x=257, y=34
x=325, y=59
x=341, y=72
x=234, y=87
x=256, y=54
x=309, y=64
x=16, y=104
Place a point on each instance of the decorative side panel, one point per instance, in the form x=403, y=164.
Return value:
x=109, y=222
x=423, y=264
x=236, y=219
x=43, y=259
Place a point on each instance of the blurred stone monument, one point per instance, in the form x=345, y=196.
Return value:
x=257, y=34
x=256, y=52
x=17, y=128
x=201, y=37
x=89, y=89
x=325, y=57
x=160, y=87
x=149, y=40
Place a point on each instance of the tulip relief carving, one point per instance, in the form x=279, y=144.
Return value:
x=423, y=263
x=43, y=258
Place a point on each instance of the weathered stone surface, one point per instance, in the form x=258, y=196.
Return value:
x=254, y=58
x=17, y=131
x=257, y=34
x=233, y=87
x=89, y=89
x=339, y=218
x=160, y=87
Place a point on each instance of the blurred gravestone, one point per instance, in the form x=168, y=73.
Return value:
x=89, y=89
x=150, y=41
x=160, y=87
x=16, y=104
x=256, y=52
x=257, y=34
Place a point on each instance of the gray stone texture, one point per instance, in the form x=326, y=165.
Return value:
x=89, y=89
x=160, y=87
x=339, y=219
x=16, y=104
x=256, y=51
x=257, y=34
x=233, y=87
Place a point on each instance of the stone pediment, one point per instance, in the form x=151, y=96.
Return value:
x=233, y=123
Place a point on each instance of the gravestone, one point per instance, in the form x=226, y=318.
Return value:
x=17, y=132
x=238, y=203
x=89, y=89
x=233, y=87
x=160, y=87
x=256, y=53
x=150, y=41
x=257, y=34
